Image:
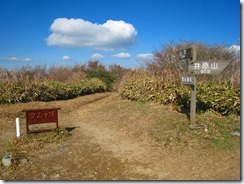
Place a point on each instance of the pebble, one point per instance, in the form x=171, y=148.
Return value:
x=7, y=160
x=235, y=134
x=55, y=176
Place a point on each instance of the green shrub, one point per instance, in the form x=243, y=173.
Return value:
x=49, y=91
x=221, y=97
x=62, y=91
x=103, y=75
x=25, y=91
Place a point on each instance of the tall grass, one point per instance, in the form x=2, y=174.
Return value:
x=220, y=96
x=57, y=82
x=46, y=84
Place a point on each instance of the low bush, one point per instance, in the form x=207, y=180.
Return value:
x=221, y=97
x=106, y=77
x=25, y=91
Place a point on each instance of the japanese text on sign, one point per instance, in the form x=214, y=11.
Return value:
x=185, y=54
x=205, y=67
x=42, y=116
x=208, y=67
x=39, y=116
x=187, y=79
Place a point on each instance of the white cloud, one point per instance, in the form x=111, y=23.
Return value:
x=27, y=59
x=235, y=49
x=80, y=33
x=66, y=58
x=13, y=58
x=145, y=57
x=96, y=57
x=122, y=55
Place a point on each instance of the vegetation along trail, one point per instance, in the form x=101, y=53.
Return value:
x=104, y=137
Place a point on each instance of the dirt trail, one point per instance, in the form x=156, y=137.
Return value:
x=158, y=164
x=109, y=143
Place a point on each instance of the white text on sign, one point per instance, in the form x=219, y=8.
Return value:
x=188, y=79
x=205, y=67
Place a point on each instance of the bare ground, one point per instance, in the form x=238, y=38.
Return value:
x=115, y=139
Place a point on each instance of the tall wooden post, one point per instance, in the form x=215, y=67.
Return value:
x=193, y=102
x=193, y=90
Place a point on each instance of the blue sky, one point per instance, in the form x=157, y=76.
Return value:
x=68, y=32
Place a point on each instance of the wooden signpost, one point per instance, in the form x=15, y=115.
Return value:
x=195, y=67
x=190, y=55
